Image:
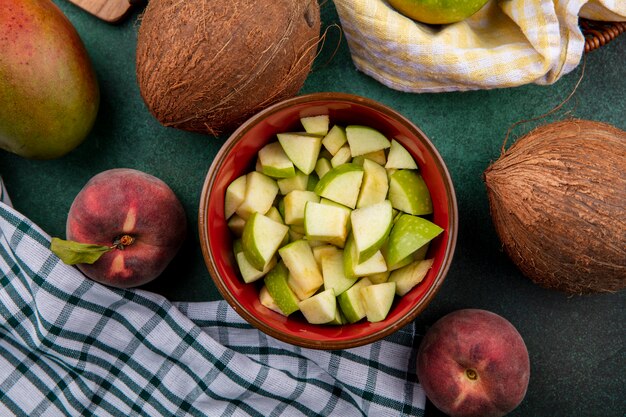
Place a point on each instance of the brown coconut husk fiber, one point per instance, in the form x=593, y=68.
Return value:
x=558, y=201
x=208, y=65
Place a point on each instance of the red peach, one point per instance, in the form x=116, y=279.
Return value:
x=137, y=214
x=473, y=363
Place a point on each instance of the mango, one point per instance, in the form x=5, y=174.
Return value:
x=49, y=94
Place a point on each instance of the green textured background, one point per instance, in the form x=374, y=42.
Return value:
x=576, y=344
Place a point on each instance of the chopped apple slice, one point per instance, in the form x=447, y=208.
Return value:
x=339, y=318
x=248, y=272
x=421, y=253
x=261, y=239
x=341, y=184
x=409, y=276
x=393, y=266
x=370, y=227
x=377, y=156
x=326, y=223
x=399, y=157
x=322, y=167
x=320, y=308
x=364, y=139
x=274, y=214
x=236, y=225
x=295, y=235
x=312, y=182
x=261, y=191
x=333, y=272
x=335, y=139
x=374, y=186
x=341, y=157
x=295, y=203
x=377, y=300
x=305, y=277
x=409, y=233
x=275, y=162
x=374, y=265
x=298, y=182
x=298, y=228
x=380, y=277
x=266, y=300
x=316, y=125
x=351, y=302
x=234, y=195
x=302, y=148
x=320, y=251
x=277, y=285
x=408, y=193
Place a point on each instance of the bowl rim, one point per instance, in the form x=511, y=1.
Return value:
x=203, y=228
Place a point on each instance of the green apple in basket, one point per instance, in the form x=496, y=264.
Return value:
x=438, y=11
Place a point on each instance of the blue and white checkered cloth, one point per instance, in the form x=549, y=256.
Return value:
x=73, y=347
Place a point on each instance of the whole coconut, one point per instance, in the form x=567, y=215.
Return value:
x=208, y=65
x=558, y=202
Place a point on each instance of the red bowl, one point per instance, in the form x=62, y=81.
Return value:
x=238, y=156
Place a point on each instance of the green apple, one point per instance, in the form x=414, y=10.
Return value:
x=261, y=191
x=364, y=139
x=322, y=166
x=341, y=184
x=408, y=234
x=320, y=251
x=295, y=203
x=298, y=182
x=305, y=277
x=374, y=186
x=333, y=272
x=234, y=195
x=342, y=156
x=339, y=318
x=236, y=225
x=320, y=308
x=295, y=235
x=408, y=192
x=312, y=181
x=275, y=162
x=351, y=302
x=334, y=139
x=248, y=272
x=267, y=301
x=421, y=253
x=438, y=12
x=377, y=300
x=261, y=239
x=302, y=148
x=370, y=228
x=326, y=223
x=399, y=157
x=380, y=277
x=374, y=265
x=409, y=276
x=298, y=228
x=277, y=285
x=377, y=156
x=316, y=125
x=275, y=215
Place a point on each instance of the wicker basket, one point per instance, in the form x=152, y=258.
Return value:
x=598, y=33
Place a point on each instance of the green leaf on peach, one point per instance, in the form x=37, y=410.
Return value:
x=73, y=253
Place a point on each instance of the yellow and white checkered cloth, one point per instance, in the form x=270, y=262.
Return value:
x=507, y=43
